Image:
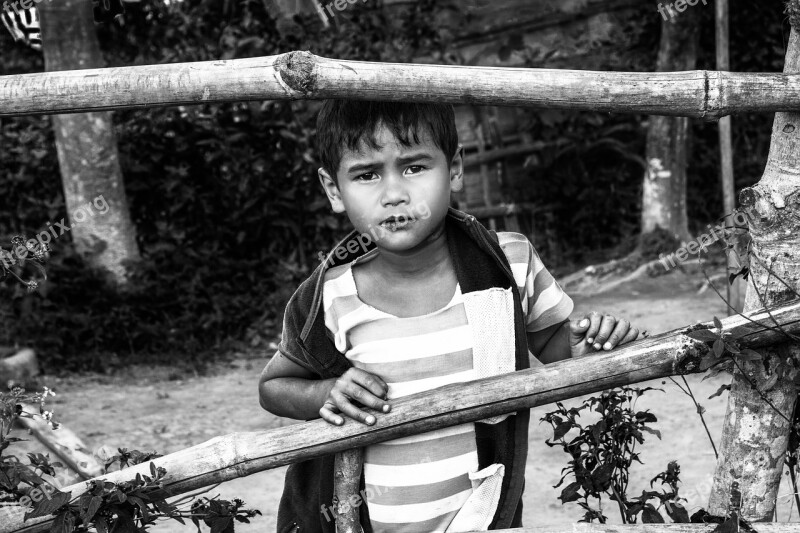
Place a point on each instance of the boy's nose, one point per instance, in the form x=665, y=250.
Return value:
x=394, y=191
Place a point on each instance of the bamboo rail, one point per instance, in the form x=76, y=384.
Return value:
x=648, y=528
x=240, y=454
x=301, y=75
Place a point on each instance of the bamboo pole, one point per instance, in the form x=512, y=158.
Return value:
x=645, y=528
x=241, y=454
x=734, y=290
x=347, y=468
x=301, y=75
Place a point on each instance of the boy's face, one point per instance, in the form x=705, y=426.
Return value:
x=412, y=184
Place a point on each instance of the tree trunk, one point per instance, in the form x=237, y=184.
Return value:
x=664, y=194
x=754, y=434
x=94, y=193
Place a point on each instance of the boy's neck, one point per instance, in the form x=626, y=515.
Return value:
x=428, y=259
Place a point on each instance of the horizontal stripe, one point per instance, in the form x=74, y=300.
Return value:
x=400, y=348
x=408, y=454
x=431, y=472
x=400, y=514
x=422, y=367
x=398, y=390
x=422, y=493
x=384, y=328
x=435, y=434
x=435, y=525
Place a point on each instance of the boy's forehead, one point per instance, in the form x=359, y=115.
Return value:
x=386, y=140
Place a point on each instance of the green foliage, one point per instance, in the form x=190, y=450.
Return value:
x=602, y=454
x=228, y=211
x=225, y=197
x=129, y=506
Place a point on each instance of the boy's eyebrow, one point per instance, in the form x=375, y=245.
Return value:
x=403, y=160
x=419, y=156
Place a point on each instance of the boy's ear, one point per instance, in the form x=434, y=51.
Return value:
x=457, y=170
x=331, y=191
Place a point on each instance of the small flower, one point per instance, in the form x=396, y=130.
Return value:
x=32, y=286
x=48, y=391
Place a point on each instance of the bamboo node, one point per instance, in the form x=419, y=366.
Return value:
x=295, y=72
x=689, y=355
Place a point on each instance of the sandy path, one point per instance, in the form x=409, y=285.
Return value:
x=144, y=409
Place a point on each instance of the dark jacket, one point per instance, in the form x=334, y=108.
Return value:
x=480, y=264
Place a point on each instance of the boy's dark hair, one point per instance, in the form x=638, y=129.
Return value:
x=344, y=123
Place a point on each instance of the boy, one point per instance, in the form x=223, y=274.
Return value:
x=418, y=296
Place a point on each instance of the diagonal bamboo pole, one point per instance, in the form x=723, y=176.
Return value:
x=302, y=75
x=240, y=454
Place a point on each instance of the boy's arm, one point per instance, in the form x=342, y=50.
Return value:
x=288, y=389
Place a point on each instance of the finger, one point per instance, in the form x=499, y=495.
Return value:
x=350, y=410
x=620, y=330
x=370, y=382
x=363, y=396
x=328, y=412
x=595, y=319
x=606, y=327
x=579, y=328
x=632, y=335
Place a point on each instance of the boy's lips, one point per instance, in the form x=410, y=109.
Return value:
x=394, y=223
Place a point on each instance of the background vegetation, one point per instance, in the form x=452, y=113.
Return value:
x=225, y=198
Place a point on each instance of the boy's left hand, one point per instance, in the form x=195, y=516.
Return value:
x=599, y=332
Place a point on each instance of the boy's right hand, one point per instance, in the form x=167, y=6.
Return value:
x=355, y=385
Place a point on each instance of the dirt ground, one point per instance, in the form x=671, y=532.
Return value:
x=143, y=409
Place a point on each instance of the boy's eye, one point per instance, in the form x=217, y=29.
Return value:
x=415, y=169
x=367, y=176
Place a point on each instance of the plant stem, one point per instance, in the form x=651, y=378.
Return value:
x=702, y=418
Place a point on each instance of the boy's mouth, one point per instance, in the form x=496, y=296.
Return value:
x=395, y=223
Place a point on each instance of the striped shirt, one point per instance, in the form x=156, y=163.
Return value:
x=419, y=483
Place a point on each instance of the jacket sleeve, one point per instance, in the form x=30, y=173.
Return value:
x=294, y=318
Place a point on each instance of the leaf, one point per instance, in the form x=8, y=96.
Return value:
x=700, y=409
x=652, y=431
x=677, y=513
x=749, y=355
x=651, y=516
x=570, y=493
x=704, y=335
x=561, y=430
x=719, y=347
x=91, y=509
x=48, y=505
x=221, y=524
x=770, y=383
x=720, y=390
x=717, y=323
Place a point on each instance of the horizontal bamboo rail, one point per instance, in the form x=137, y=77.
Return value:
x=241, y=454
x=648, y=528
x=302, y=75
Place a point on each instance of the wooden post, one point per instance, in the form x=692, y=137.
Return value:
x=735, y=290
x=755, y=433
x=347, y=502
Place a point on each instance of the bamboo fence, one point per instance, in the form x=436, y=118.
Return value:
x=241, y=454
x=301, y=75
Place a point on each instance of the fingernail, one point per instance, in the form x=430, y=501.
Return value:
x=597, y=346
x=370, y=419
x=607, y=346
x=338, y=420
x=590, y=340
x=583, y=323
x=385, y=408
